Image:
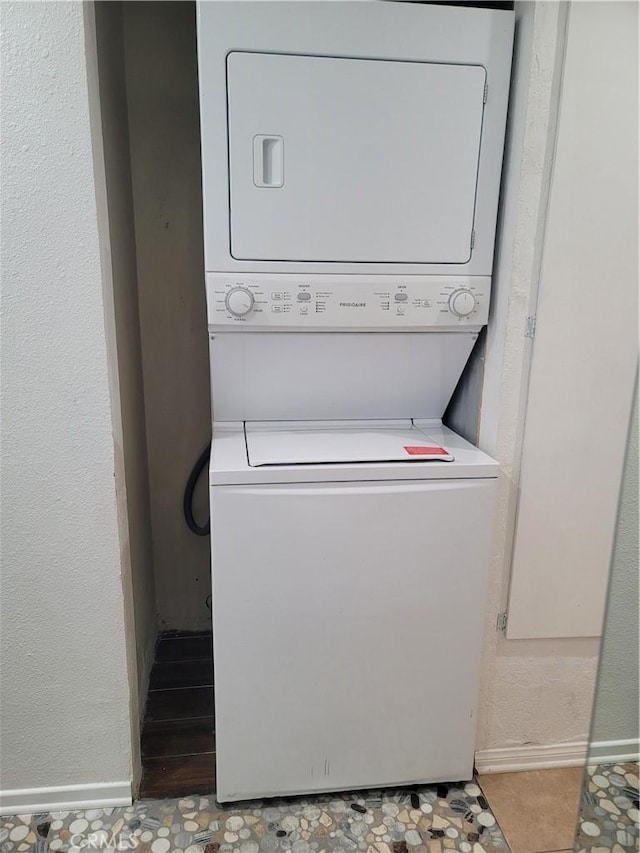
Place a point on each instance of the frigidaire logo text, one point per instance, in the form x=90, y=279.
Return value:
x=353, y=304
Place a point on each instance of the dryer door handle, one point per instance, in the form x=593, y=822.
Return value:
x=268, y=161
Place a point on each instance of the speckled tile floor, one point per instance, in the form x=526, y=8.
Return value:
x=427, y=819
x=609, y=816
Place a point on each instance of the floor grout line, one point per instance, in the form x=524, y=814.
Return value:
x=180, y=719
x=178, y=755
x=205, y=634
x=187, y=687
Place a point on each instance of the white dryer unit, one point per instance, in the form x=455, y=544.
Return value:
x=351, y=157
x=357, y=137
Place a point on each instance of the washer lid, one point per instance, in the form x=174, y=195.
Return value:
x=317, y=443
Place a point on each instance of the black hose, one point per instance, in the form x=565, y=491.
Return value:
x=187, y=501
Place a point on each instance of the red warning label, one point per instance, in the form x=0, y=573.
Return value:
x=417, y=450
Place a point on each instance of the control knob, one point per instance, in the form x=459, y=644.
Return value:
x=462, y=302
x=239, y=301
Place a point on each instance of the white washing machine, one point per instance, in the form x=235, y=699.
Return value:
x=348, y=602
x=351, y=169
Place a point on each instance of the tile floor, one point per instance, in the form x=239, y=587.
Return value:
x=610, y=809
x=428, y=819
x=541, y=811
x=537, y=811
x=518, y=800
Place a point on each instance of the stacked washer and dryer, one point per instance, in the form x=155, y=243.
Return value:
x=351, y=157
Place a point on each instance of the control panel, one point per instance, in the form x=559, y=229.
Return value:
x=346, y=302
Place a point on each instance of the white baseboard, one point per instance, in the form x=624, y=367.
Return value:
x=531, y=757
x=613, y=751
x=64, y=797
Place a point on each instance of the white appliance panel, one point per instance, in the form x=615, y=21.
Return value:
x=313, y=302
x=328, y=602
x=352, y=160
x=328, y=376
x=317, y=444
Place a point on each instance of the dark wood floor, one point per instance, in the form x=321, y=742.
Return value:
x=178, y=740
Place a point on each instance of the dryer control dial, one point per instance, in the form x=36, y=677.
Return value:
x=462, y=302
x=239, y=301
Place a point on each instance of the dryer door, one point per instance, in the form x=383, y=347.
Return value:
x=335, y=159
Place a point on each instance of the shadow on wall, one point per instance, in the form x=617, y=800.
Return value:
x=616, y=719
x=164, y=129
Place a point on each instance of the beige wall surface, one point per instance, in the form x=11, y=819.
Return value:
x=162, y=87
x=111, y=141
x=64, y=679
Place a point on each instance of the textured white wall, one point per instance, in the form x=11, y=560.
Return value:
x=533, y=692
x=615, y=715
x=64, y=716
